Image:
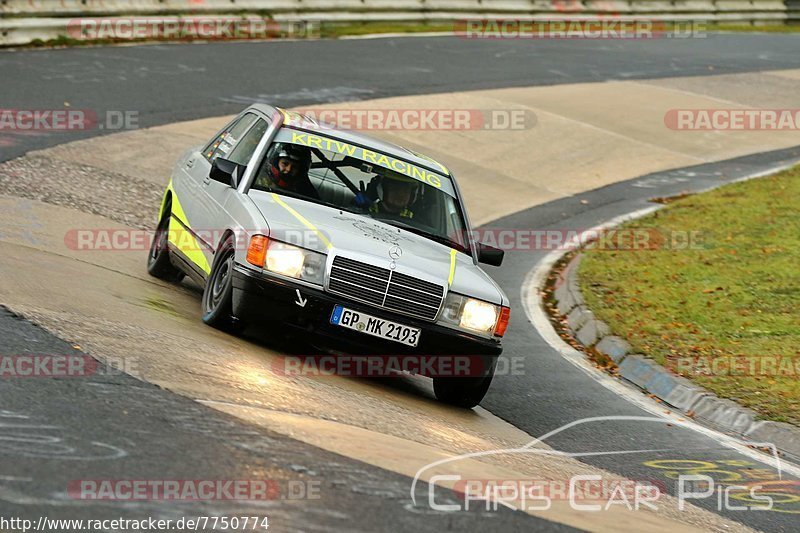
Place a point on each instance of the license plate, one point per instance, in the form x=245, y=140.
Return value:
x=377, y=327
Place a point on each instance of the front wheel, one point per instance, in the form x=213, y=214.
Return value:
x=218, y=292
x=463, y=392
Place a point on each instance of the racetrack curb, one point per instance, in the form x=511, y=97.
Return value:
x=694, y=401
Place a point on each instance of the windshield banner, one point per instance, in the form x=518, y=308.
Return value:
x=368, y=156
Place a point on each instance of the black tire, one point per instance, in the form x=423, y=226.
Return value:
x=158, y=263
x=218, y=292
x=462, y=391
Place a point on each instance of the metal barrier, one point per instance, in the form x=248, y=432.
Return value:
x=23, y=21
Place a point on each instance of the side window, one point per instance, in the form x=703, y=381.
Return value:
x=225, y=141
x=243, y=151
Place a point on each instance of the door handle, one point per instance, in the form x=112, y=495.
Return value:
x=207, y=181
x=190, y=163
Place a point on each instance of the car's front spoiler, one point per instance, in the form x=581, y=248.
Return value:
x=279, y=301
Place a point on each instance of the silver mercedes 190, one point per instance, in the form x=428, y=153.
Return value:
x=362, y=246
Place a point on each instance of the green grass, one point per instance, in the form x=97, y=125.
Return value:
x=333, y=30
x=328, y=30
x=62, y=40
x=735, y=295
x=747, y=28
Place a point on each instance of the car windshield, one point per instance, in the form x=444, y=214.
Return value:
x=327, y=171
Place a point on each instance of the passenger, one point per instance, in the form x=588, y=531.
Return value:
x=288, y=170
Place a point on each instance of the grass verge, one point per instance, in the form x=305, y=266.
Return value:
x=334, y=30
x=724, y=310
x=754, y=28
x=327, y=30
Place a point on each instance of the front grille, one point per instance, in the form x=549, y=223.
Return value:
x=385, y=288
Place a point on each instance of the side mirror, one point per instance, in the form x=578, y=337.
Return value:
x=227, y=172
x=490, y=255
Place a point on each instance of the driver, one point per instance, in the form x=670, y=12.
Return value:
x=288, y=170
x=396, y=194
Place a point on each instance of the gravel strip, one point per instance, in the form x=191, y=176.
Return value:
x=125, y=199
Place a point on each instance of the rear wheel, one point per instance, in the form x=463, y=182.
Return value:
x=158, y=263
x=218, y=292
x=462, y=391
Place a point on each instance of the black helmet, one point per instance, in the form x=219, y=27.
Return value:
x=297, y=153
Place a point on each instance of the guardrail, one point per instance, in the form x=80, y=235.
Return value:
x=23, y=21
x=793, y=11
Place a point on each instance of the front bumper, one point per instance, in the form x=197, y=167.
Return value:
x=257, y=296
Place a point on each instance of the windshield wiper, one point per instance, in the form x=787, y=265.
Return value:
x=432, y=236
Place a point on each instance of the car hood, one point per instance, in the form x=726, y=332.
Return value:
x=361, y=238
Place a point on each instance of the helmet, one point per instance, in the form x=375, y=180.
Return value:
x=297, y=153
x=397, y=179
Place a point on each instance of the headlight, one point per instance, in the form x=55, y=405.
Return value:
x=477, y=315
x=287, y=260
x=473, y=315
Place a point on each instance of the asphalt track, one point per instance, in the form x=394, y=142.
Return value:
x=551, y=392
x=73, y=429
x=170, y=83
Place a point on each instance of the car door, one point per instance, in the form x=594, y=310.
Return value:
x=198, y=202
x=220, y=192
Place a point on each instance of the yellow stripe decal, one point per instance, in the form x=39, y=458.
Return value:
x=452, y=267
x=303, y=220
x=177, y=209
x=183, y=239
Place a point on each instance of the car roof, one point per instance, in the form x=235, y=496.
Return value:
x=305, y=123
